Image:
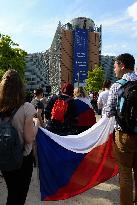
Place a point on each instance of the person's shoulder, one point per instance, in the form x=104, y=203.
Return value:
x=26, y=108
x=34, y=101
x=105, y=92
x=43, y=100
x=115, y=85
x=28, y=105
x=115, y=88
x=101, y=93
x=29, y=109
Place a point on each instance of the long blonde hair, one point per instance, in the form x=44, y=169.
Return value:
x=80, y=92
x=11, y=91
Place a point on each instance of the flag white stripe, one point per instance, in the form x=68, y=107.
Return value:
x=88, y=140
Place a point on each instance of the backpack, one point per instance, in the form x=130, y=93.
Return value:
x=126, y=115
x=59, y=110
x=11, y=152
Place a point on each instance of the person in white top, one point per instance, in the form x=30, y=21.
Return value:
x=12, y=96
x=91, y=96
x=103, y=96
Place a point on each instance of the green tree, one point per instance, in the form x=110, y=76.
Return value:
x=95, y=79
x=11, y=56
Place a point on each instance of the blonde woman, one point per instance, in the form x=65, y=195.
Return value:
x=12, y=97
x=84, y=111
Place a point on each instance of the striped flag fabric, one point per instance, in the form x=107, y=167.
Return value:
x=70, y=165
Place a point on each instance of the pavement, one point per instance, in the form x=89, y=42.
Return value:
x=106, y=193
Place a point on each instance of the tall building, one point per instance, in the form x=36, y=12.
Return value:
x=75, y=49
x=37, y=71
x=107, y=63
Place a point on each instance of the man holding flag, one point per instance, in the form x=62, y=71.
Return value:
x=125, y=141
x=72, y=164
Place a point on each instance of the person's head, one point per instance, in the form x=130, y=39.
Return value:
x=67, y=89
x=124, y=63
x=80, y=92
x=12, y=93
x=39, y=92
x=106, y=84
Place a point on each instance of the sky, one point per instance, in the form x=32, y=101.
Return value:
x=32, y=23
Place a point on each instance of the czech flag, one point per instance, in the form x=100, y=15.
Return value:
x=70, y=165
x=85, y=113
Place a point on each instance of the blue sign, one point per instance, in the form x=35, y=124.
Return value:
x=80, y=66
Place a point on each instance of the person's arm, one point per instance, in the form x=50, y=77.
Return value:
x=30, y=129
x=112, y=100
x=99, y=102
x=40, y=109
x=39, y=116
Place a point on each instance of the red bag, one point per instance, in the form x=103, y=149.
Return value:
x=59, y=110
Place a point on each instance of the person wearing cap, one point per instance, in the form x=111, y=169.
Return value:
x=68, y=126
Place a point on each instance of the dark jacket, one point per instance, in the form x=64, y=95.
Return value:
x=68, y=127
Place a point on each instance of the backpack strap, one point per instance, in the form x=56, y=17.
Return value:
x=11, y=116
x=122, y=81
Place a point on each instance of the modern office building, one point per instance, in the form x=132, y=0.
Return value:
x=107, y=63
x=37, y=71
x=75, y=49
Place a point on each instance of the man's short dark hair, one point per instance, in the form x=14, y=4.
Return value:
x=38, y=91
x=127, y=59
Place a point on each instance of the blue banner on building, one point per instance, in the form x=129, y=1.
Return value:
x=80, y=66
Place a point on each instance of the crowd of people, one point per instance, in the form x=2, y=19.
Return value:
x=70, y=112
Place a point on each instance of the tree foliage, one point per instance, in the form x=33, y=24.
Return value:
x=11, y=56
x=95, y=79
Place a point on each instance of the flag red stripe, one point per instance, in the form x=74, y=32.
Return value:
x=98, y=166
